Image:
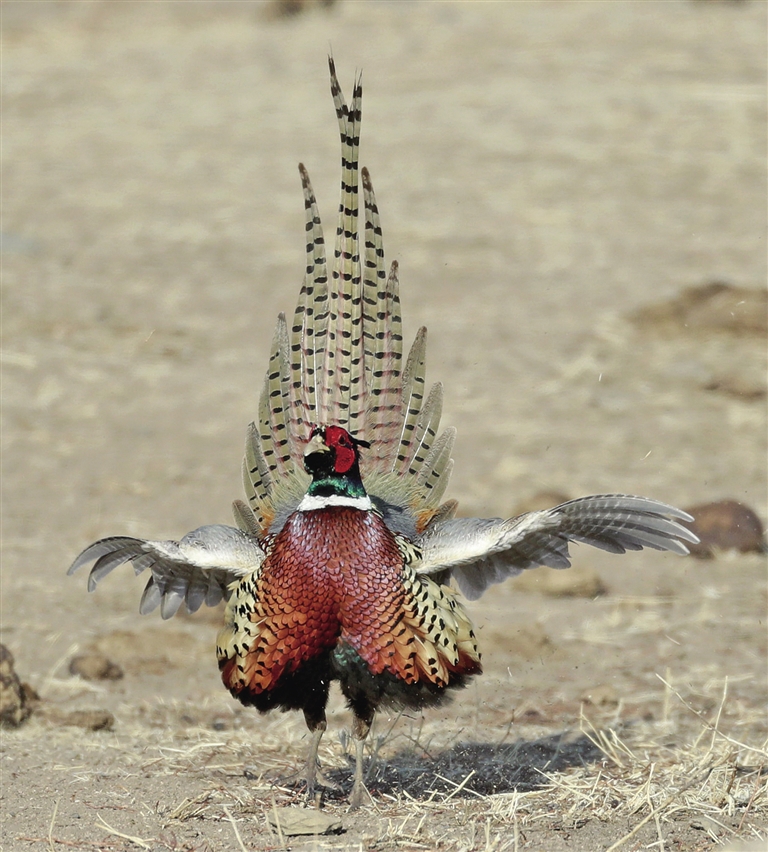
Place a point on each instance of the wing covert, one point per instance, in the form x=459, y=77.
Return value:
x=195, y=570
x=480, y=552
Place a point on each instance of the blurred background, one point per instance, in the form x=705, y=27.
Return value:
x=575, y=192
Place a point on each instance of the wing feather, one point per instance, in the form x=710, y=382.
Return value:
x=197, y=569
x=480, y=552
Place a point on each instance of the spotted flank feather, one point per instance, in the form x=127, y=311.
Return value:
x=435, y=636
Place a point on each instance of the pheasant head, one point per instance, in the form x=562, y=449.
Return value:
x=332, y=458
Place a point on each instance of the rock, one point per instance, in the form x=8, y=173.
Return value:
x=95, y=666
x=91, y=720
x=573, y=582
x=292, y=8
x=17, y=699
x=737, y=387
x=540, y=500
x=293, y=822
x=601, y=695
x=725, y=525
x=706, y=308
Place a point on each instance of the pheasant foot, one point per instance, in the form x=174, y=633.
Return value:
x=359, y=795
x=312, y=772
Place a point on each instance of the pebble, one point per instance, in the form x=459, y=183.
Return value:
x=716, y=306
x=95, y=666
x=294, y=822
x=91, y=720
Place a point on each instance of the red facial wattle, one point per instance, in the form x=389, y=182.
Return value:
x=341, y=441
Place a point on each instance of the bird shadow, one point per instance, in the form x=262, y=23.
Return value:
x=472, y=769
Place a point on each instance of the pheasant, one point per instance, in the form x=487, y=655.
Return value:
x=341, y=564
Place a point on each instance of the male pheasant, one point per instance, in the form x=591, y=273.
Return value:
x=341, y=565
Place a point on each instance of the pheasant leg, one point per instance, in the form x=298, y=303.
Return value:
x=313, y=775
x=359, y=794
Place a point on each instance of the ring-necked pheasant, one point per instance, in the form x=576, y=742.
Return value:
x=341, y=563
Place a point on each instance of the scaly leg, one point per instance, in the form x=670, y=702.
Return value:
x=317, y=726
x=360, y=728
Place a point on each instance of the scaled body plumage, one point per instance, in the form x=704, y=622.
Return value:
x=335, y=582
x=342, y=563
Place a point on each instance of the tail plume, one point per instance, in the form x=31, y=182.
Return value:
x=341, y=361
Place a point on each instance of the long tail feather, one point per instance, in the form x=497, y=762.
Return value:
x=273, y=425
x=436, y=470
x=383, y=342
x=342, y=363
x=426, y=430
x=310, y=326
x=257, y=479
x=344, y=369
x=413, y=397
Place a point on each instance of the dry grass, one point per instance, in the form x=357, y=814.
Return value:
x=672, y=762
x=682, y=780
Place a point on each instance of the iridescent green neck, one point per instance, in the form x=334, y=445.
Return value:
x=336, y=485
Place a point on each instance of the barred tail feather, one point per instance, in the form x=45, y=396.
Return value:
x=383, y=341
x=374, y=272
x=412, y=398
x=344, y=369
x=310, y=327
x=273, y=406
x=426, y=430
x=341, y=362
x=257, y=479
x=436, y=470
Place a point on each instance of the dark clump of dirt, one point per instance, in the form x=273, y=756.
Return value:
x=95, y=666
x=17, y=699
x=725, y=525
x=706, y=308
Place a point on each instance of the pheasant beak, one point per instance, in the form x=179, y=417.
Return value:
x=316, y=444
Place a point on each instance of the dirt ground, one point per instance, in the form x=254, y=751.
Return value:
x=544, y=172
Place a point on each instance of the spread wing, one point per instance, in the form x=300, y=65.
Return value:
x=478, y=553
x=197, y=569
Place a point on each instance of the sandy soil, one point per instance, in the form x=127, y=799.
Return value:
x=544, y=170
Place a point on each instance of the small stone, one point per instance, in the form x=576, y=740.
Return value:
x=293, y=822
x=737, y=387
x=17, y=699
x=716, y=306
x=575, y=582
x=95, y=666
x=601, y=695
x=91, y=720
x=292, y=8
x=725, y=525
